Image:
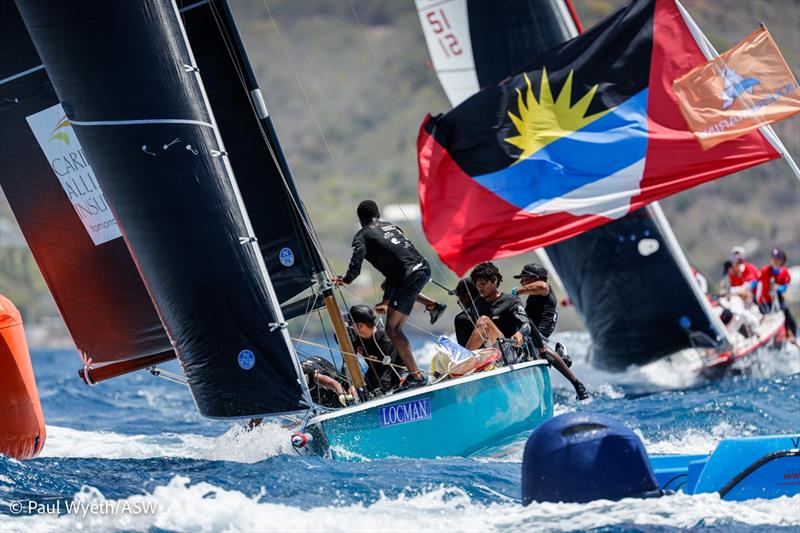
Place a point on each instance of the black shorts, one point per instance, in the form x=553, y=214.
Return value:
x=403, y=293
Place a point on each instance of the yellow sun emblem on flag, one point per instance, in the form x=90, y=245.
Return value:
x=543, y=121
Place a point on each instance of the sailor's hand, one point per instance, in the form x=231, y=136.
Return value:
x=381, y=308
x=338, y=281
x=517, y=338
x=345, y=399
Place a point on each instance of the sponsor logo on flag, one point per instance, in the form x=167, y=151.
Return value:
x=745, y=88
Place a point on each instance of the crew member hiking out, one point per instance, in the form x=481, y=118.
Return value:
x=504, y=315
x=542, y=310
x=371, y=342
x=406, y=271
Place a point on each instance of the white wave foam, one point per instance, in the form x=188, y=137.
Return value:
x=694, y=440
x=237, y=444
x=205, y=507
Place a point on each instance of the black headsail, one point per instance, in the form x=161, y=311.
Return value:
x=135, y=97
x=276, y=211
x=629, y=279
x=64, y=216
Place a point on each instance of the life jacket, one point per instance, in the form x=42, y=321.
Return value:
x=766, y=276
x=747, y=274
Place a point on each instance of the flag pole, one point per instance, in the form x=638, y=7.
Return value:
x=711, y=53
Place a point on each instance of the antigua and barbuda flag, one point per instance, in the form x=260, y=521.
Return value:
x=586, y=133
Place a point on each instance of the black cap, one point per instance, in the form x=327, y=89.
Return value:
x=362, y=314
x=367, y=211
x=533, y=270
x=778, y=254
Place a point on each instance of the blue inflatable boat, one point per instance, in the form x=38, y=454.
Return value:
x=580, y=457
x=739, y=469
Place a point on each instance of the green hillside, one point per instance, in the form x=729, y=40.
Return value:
x=348, y=85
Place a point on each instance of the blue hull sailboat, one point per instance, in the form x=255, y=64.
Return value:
x=212, y=250
x=460, y=417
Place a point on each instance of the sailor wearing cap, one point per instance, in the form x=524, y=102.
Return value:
x=542, y=310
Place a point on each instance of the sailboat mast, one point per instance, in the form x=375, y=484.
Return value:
x=331, y=304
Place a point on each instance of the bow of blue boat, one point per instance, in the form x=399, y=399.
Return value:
x=458, y=417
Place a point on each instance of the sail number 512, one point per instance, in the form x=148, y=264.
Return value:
x=438, y=22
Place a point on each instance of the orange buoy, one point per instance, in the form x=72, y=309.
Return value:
x=22, y=430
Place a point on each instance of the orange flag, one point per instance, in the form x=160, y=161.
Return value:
x=748, y=86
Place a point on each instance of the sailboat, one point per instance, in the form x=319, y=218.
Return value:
x=629, y=279
x=149, y=182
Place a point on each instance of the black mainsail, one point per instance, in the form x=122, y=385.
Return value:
x=278, y=216
x=132, y=90
x=629, y=279
x=64, y=217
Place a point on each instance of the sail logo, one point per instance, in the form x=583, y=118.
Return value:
x=66, y=157
x=246, y=359
x=286, y=257
x=403, y=413
x=735, y=86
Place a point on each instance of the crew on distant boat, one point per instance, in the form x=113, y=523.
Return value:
x=407, y=272
x=542, y=310
x=743, y=276
x=468, y=299
x=776, y=273
x=371, y=342
x=327, y=386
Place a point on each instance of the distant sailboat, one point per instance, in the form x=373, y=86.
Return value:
x=629, y=279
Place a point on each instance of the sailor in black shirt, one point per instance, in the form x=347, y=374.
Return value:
x=386, y=247
x=324, y=383
x=542, y=310
x=504, y=314
x=469, y=300
x=372, y=343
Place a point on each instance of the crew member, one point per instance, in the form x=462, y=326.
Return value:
x=469, y=299
x=776, y=272
x=327, y=388
x=542, y=310
x=742, y=275
x=372, y=343
x=505, y=316
x=407, y=272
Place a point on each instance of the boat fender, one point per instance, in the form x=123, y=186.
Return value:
x=299, y=440
x=581, y=457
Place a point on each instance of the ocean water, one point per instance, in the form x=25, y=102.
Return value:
x=136, y=449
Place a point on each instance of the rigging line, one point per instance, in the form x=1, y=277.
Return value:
x=298, y=216
x=365, y=357
x=277, y=23
x=409, y=322
x=396, y=115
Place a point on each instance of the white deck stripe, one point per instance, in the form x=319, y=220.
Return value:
x=192, y=6
x=21, y=74
x=139, y=122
